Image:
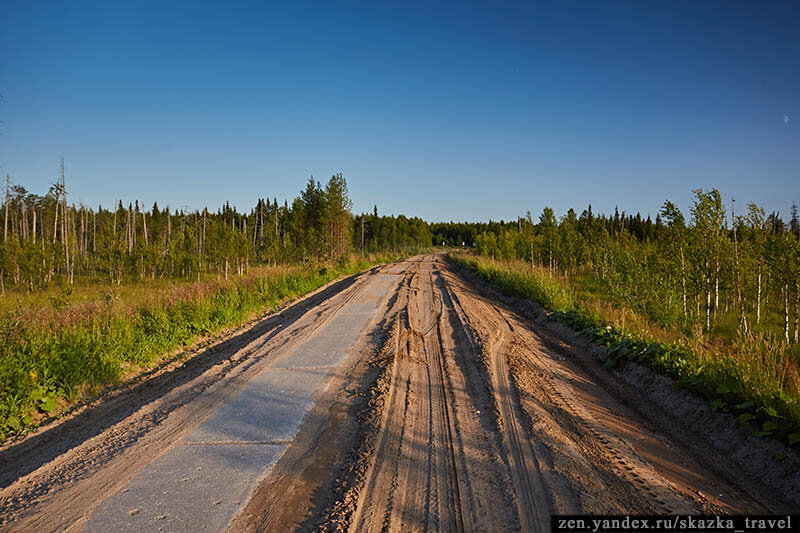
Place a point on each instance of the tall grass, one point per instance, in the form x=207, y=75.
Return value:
x=44, y=367
x=64, y=304
x=530, y=284
x=755, y=378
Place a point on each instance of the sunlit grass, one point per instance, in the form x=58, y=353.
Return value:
x=63, y=304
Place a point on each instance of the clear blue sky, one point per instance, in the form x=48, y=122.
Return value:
x=442, y=110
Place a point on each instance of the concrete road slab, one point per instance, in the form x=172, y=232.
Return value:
x=191, y=488
x=322, y=350
x=269, y=408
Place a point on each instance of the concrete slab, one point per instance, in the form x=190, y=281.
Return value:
x=375, y=290
x=270, y=408
x=346, y=321
x=192, y=488
x=361, y=308
x=321, y=350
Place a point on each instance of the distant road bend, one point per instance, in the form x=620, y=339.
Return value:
x=406, y=398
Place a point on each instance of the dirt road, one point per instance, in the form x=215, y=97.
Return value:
x=443, y=409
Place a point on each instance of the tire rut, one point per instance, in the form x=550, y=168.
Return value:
x=435, y=467
x=420, y=453
x=531, y=496
x=508, y=337
x=551, y=440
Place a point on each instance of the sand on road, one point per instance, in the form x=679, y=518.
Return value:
x=447, y=408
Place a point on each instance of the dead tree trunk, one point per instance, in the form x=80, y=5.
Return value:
x=716, y=291
x=758, y=295
x=797, y=311
x=683, y=282
x=205, y=219
x=64, y=222
x=737, y=279
x=133, y=223
x=786, y=311
x=74, y=244
x=5, y=227
x=144, y=225
x=708, y=297
x=23, y=223
x=130, y=225
x=55, y=221
x=81, y=247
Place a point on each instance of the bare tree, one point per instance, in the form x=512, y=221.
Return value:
x=8, y=189
x=737, y=280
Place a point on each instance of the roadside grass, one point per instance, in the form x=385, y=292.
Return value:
x=49, y=362
x=756, y=377
x=62, y=304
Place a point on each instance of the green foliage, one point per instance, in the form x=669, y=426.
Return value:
x=692, y=275
x=50, y=242
x=61, y=301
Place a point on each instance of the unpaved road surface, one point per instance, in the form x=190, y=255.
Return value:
x=407, y=398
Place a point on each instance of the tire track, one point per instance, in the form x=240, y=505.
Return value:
x=421, y=477
x=482, y=427
x=507, y=336
x=381, y=476
x=531, y=496
x=630, y=464
x=453, y=349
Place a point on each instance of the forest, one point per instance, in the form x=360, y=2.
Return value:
x=91, y=297
x=47, y=240
x=678, y=271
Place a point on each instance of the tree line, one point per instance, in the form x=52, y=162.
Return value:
x=47, y=239
x=676, y=270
